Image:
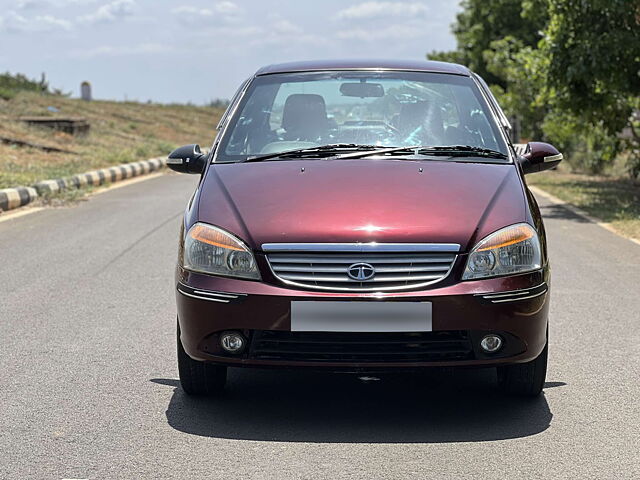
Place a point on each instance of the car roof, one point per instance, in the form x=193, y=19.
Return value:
x=405, y=65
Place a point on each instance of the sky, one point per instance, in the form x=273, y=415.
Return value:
x=197, y=50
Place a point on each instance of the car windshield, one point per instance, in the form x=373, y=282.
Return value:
x=282, y=112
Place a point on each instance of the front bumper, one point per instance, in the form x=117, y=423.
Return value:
x=515, y=307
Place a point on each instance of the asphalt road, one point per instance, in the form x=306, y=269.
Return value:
x=89, y=389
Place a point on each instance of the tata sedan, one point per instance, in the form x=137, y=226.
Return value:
x=363, y=217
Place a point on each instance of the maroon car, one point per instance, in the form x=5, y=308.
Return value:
x=363, y=216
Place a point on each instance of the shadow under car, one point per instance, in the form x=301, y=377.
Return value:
x=294, y=406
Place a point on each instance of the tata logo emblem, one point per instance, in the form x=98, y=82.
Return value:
x=361, y=272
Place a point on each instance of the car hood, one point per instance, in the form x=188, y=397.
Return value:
x=362, y=200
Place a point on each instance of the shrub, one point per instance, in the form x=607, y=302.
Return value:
x=11, y=84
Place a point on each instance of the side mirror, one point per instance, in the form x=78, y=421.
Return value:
x=187, y=159
x=538, y=156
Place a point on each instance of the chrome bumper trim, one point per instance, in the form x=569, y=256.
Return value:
x=514, y=295
x=209, y=295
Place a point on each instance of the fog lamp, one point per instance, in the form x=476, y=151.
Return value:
x=491, y=343
x=232, y=342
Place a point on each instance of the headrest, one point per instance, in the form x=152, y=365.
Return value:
x=304, y=111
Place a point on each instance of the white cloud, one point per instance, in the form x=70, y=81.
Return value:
x=49, y=22
x=224, y=8
x=390, y=32
x=285, y=27
x=15, y=23
x=227, y=7
x=118, y=51
x=286, y=36
x=240, y=32
x=189, y=10
x=113, y=11
x=225, y=11
x=31, y=4
x=383, y=10
x=71, y=3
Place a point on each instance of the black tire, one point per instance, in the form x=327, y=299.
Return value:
x=199, y=378
x=524, y=379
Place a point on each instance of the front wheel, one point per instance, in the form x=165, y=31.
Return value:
x=524, y=379
x=199, y=378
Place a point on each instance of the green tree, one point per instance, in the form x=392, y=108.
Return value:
x=522, y=69
x=11, y=84
x=482, y=22
x=593, y=52
x=497, y=39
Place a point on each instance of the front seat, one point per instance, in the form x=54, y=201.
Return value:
x=304, y=117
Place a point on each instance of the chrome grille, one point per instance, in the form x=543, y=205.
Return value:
x=326, y=266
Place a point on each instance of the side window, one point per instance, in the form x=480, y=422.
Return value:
x=492, y=100
x=251, y=131
x=232, y=103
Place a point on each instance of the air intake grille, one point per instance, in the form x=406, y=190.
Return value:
x=395, y=270
x=361, y=347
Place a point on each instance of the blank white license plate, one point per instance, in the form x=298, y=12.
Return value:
x=360, y=316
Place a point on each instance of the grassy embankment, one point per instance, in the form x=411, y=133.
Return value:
x=611, y=199
x=120, y=132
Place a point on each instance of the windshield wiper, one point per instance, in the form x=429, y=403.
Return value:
x=322, y=149
x=380, y=151
x=360, y=151
x=450, y=150
x=463, y=151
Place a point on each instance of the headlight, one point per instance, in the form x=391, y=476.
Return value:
x=514, y=249
x=208, y=249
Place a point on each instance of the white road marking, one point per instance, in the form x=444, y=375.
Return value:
x=19, y=213
x=26, y=210
x=581, y=213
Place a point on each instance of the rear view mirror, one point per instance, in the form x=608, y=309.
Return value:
x=539, y=156
x=187, y=159
x=362, y=90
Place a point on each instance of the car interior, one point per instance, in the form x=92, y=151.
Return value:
x=303, y=120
